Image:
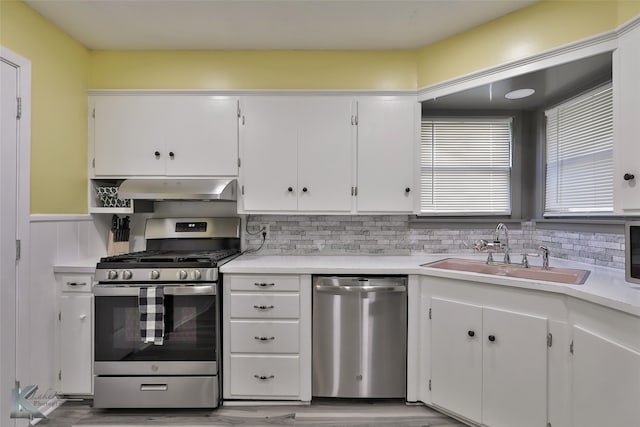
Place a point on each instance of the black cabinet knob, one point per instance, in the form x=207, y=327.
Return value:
x=471, y=333
x=492, y=338
x=157, y=154
x=407, y=190
x=290, y=189
x=171, y=154
x=628, y=176
x=304, y=189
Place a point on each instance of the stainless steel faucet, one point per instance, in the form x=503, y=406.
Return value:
x=544, y=251
x=502, y=227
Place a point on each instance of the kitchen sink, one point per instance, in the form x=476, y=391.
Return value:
x=568, y=276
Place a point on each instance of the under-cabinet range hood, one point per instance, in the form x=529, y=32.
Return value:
x=178, y=189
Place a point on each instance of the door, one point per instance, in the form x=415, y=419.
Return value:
x=76, y=357
x=514, y=369
x=201, y=136
x=269, y=135
x=456, y=357
x=8, y=232
x=626, y=151
x=606, y=382
x=386, y=163
x=325, y=158
x=129, y=136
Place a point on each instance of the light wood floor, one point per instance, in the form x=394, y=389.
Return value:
x=320, y=413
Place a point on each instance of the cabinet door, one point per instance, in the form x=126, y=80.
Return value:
x=202, y=135
x=128, y=132
x=325, y=154
x=514, y=391
x=269, y=154
x=76, y=345
x=606, y=382
x=386, y=162
x=456, y=357
x=626, y=94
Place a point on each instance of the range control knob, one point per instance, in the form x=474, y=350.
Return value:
x=126, y=275
x=196, y=275
x=182, y=275
x=154, y=275
x=112, y=275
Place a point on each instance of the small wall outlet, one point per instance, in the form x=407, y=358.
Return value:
x=265, y=227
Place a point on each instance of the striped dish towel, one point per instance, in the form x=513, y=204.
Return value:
x=151, y=305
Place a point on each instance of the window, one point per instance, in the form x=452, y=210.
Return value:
x=465, y=166
x=579, y=155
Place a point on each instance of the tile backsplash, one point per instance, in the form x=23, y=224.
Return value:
x=399, y=235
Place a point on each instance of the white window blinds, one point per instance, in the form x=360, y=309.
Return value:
x=579, y=155
x=465, y=166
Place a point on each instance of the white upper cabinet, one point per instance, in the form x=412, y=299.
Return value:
x=165, y=135
x=296, y=154
x=325, y=156
x=626, y=152
x=387, y=146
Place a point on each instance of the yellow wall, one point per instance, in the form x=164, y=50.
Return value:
x=542, y=26
x=59, y=67
x=253, y=69
x=627, y=9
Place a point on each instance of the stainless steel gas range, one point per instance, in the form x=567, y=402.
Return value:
x=174, y=284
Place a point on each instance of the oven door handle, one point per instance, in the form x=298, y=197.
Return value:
x=120, y=291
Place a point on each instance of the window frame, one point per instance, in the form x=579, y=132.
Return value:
x=542, y=215
x=516, y=174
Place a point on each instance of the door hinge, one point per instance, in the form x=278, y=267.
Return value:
x=93, y=113
x=18, y=249
x=93, y=162
x=60, y=375
x=429, y=385
x=549, y=339
x=59, y=316
x=239, y=162
x=354, y=120
x=429, y=313
x=548, y=424
x=19, y=105
x=242, y=190
x=571, y=347
x=242, y=120
x=354, y=191
x=238, y=107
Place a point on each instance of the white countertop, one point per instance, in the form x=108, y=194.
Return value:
x=604, y=286
x=87, y=266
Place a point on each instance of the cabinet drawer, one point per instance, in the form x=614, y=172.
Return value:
x=265, y=337
x=262, y=283
x=265, y=376
x=260, y=306
x=76, y=282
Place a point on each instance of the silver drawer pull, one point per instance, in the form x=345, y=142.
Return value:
x=263, y=307
x=265, y=338
x=263, y=377
x=76, y=284
x=154, y=387
x=263, y=284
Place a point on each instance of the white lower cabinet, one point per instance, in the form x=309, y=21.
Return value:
x=489, y=365
x=75, y=332
x=266, y=337
x=606, y=381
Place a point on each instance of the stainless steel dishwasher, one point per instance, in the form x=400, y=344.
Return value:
x=359, y=336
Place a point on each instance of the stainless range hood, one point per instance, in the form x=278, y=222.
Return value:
x=178, y=189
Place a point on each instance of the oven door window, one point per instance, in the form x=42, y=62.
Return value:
x=189, y=330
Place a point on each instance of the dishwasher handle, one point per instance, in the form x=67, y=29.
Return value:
x=344, y=289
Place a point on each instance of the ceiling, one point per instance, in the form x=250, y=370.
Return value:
x=551, y=85
x=268, y=24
